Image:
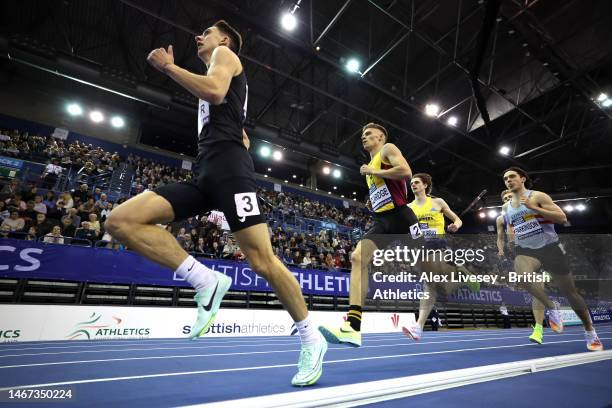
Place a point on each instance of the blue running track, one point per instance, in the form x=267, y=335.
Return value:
x=174, y=372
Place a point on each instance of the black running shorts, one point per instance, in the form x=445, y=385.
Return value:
x=398, y=221
x=552, y=257
x=224, y=180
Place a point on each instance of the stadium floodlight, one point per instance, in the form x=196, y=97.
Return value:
x=504, y=150
x=288, y=21
x=269, y=169
x=96, y=116
x=482, y=215
x=452, y=121
x=569, y=208
x=607, y=103
x=353, y=65
x=602, y=97
x=277, y=155
x=335, y=188
x=326, y=170
x=337, y=173
x=492, y=213
x=117, y=121
x=264, y=151
x=74, y=109
x=294, y=176
x=432, y=109
x=581, y=207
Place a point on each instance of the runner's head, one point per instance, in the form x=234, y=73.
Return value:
x=220, y=33
x=516, y=179
x=421, y=182
x=506, y=196
x=373, y=136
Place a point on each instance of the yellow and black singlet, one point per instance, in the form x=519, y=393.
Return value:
x=385, y=194
x=431, y=219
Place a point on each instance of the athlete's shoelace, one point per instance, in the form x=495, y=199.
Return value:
x=306, y=357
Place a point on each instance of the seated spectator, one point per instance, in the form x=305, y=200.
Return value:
x=229, y=249
x=107, y=210
x=329, y=262
x=67, y=228
x=187, y=243
x=5, y=231
x=86, y=232
x=95, y=224
x=4, y=212
x=66, y=198
x=306, y=261
x=73, y=214
x=12, y=188
x=16, y=202
x=30, y=193
x=287, y=258
x=97, y=194
x=51, y=173
x=29, y=214
x=200, y=246
x=56, y=212
x=55, y=236
x=49, y=200
x=102, y=202
x=39, y=206
x=32, y=234
x=83, y=193
x=14, y=222
x=217, y=250
x=43, y=226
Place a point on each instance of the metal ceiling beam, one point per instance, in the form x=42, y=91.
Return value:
x=332, y=22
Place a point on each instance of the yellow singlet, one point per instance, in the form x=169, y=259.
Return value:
x=431, y=219
x=385, y=194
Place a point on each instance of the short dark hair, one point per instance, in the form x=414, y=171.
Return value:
x=426, y=179
x=521, y=173
x=233, y=34
x=376, y=126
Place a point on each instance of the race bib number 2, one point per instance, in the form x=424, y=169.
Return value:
x=246, y=205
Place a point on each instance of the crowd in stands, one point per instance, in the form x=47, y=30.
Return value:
x=78, y=216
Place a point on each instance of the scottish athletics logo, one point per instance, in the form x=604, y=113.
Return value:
x=95, y=328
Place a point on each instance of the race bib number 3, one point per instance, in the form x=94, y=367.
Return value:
x=246, y=205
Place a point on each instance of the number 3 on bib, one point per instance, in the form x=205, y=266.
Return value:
x=246, y=205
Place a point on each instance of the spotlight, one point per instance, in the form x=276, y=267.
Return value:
x=277, y=155
x=318, y=48
x=289, y=22
x=96, y=116
x=352, y=65
x=329, y=192
x=264, y=151
x=326, y=170
x=354, y=199
x=504, y=150
x=581, y=207
x=301, y=185
x=335, y=188
x=607, y=103
x=117, y=121
x=269, y=169
x=432, y=109
x=294, y=176
x=74, y=109
x=337, y=173
x=354, y=192
x=452, y=121
x=482, y=215
x=492, y=213
x=286, y=181
x=342, y=196
x=569, y=208
x=265, y=175
x=602, y=97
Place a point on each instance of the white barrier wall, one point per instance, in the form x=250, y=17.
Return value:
x=53, y=322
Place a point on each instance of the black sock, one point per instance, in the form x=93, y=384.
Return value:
x=354, y=317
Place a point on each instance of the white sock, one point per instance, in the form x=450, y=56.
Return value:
x=308, y=331
x=199, y=276
x=591, y=333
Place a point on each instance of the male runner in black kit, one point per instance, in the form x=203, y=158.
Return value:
x=225, y=181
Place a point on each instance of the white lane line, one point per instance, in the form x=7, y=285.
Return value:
x=289, y=341
x=372, y=392
x=404, y=344
x=225, y=370
x=273, y=340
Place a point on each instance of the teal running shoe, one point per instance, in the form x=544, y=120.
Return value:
x=209, y=301
x=310, y=364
